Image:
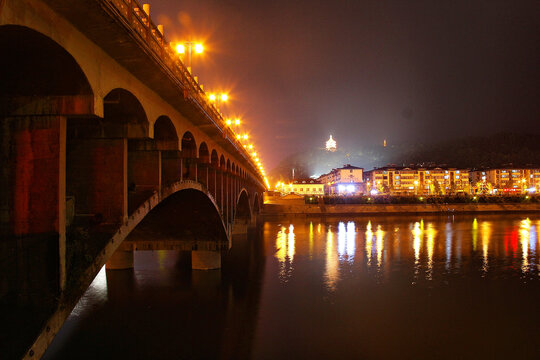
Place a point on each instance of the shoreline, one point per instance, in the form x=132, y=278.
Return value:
x=306, y=210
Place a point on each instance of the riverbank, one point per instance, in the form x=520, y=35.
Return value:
x=296, y=208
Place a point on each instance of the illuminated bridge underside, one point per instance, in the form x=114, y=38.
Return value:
x=105, y=136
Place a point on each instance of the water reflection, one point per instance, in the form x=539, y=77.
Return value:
x=285, y=246
x=332, y=262
x=427, y=243
x=346, y=241
x=430, y=233
x=369, y=242
x=319, y=279
x=524, y=234
x=486, y=235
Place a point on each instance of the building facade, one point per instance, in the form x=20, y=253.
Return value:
x=417, y=181
x=345, y=180
x=309, y=187
x=507, y=180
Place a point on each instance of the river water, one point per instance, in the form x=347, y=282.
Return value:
x=415, y=287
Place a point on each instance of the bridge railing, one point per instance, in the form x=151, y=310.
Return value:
x=138, y=19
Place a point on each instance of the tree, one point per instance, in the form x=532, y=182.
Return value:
x=437, y=187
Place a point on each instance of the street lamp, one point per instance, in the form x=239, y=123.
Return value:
x=190, y=46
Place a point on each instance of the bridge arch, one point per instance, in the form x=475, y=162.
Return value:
x=187, y=219
x=189, y=156
x=124, y=115
x=256, y=203
x=214, y=159
x=24, y=74
x=204, y=156
x=165, y=134
x=222, y=163
x=242, y=215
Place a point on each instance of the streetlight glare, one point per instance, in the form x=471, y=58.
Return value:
x=180, y=48
x=212, y=97
x=229, y=122
x=237, y=122
x=198, y=48
x=246, y=136
x=224, y=97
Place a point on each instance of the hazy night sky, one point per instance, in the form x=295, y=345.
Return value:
x=365, y=70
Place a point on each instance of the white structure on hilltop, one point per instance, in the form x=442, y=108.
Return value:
x=331, y=144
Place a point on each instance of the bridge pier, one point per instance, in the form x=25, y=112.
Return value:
x=97, y=178
x=205, y=260
x=144, y=171
x=32, y=208
x=170, y=166
x=120, y=260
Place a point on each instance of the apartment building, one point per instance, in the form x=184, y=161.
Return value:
x=403, y=180
x=345, y=180
x=506, y=180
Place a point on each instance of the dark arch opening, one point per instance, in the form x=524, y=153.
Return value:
x=32, y=64
x=228, y=165
x=256, y=203
x=233, y=168
x=189, y=155
x=214, y=159
x=165, y=134
x=222, y=163
x=187, y=215
x=189, y=146
x=204, y=156
x=242, y=216
x=124, y=115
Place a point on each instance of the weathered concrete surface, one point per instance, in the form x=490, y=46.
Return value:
x=386, y=209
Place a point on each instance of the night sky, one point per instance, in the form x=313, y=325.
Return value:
x=364, y=71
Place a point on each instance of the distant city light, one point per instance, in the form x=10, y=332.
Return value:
x=198, y=48
x=374, y=192
x=224, y=97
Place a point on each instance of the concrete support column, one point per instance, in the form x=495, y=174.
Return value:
x=220, y=190
x=32, y=207
x=202, y=173
x=97, y=178
x=211, y=173
x=144, y=172
x=120, y=260
x=189, y=168
x=170, y=167
x=205, y=260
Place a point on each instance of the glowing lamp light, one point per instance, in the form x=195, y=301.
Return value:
x=181, y=49
x=212, y=97
x=224, y=97
x=374, y=192
x=246, y=136
x=199, y=48
x=350, y=188
x=250, y=146
x=531, y=190
x=238, y=136
x=237, y=122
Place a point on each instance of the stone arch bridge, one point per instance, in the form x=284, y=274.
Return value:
x=106, y=137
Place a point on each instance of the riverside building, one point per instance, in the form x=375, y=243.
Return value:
x=310, y=187
x=508, y=180
x=411, y=180
x=347, y=180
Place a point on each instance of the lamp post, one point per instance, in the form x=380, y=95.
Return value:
x=191, y=46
